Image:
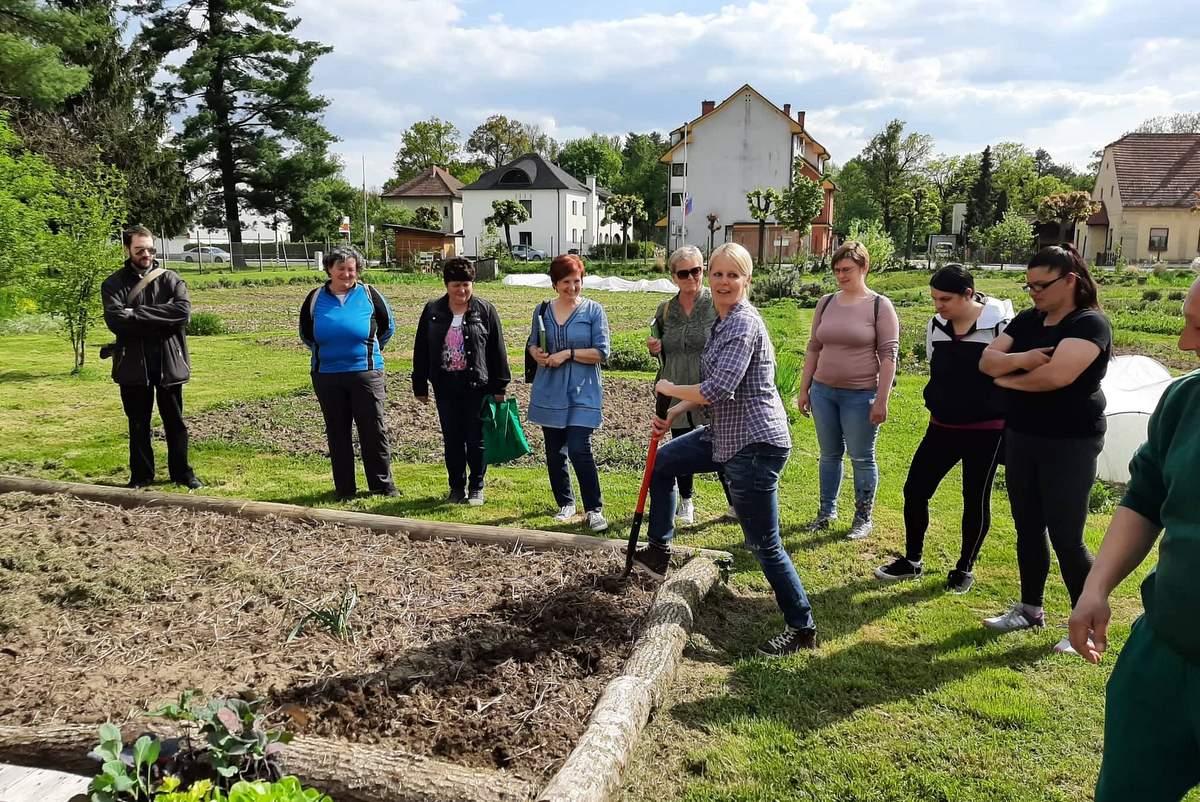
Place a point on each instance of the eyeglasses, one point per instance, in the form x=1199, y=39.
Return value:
x=1040, y=286
x=144, y=251
x=845, y=271
x=693, y=272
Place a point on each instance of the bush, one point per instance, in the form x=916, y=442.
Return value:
x=628, y=352
x=204, y=324
x=1151, y=295
x=787, y=376
x=786, y=281
x=878, y=242
x=638, y=249
x=1176, y=295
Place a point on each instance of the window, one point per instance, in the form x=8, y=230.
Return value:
x=445, y=211
x=676, y=198
x=525, y=238
x=528, y=204
x=1158, y=239
x=679, y=168
x=574, y=235
x=574, y=207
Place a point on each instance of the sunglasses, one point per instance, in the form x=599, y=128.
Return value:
x=143, y=251
x=693, y=272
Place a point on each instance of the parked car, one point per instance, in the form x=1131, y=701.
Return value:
x=528, y=253
x=207, y=253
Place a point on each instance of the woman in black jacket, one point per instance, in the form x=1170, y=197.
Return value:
x=460, y=350
x=966, y=423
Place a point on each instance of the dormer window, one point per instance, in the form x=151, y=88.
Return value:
x=515, y=178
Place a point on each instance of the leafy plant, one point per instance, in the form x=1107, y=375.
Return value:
x=125, y=774
x=286, y=789
x=628, y=352
x=787, y=376
x=334, y=619
x=203, y=324
x=876, y=240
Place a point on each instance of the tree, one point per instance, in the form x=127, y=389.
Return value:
x=428, y=217
x=81, y=252
x=889, y=162
x=252, y=78
x=467, y=172
x=33, y=35
x=317, y=210
x=874, y=237
x=505, y=214
x=425, y=144
x=28, y=200
x=800, y=203
x=714, y=223
x=596, y=155
x=951, y=178
x=761, y=202
x=853, y=201
x=1182, y=123
x=498, y=140
x=980, y=208
x=624, y=210
x=642, y=174
x=1068, y=208
x=920, y=213
x=1010, y=240
x=1031, y=194
x=535, y=140
x=1012, y=172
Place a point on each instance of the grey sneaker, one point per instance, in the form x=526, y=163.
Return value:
x=596, y=521
x=686, y=511
x=565, y=513
x=860, y=528
x=475, y=498
x=1014, y=618
x=959, y=581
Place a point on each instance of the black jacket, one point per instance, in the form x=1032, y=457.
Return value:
x=153, y=331
x=487, y=359
x=958, y=392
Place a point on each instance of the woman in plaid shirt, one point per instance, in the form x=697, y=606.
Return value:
x=747, y=436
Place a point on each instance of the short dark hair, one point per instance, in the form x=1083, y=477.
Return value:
x=457, y=268
x=135, y=231
x=952, y=278
x=343, y=253
x=564, y=265
x=1063, y=259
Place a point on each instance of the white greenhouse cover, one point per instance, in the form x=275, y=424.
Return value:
x=1132, y=388
x=610, y=283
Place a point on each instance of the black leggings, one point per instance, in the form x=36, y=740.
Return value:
x=1049, y=480
x=687, y=482
x=940, y=450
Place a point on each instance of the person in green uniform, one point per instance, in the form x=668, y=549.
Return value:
x=1152, y=720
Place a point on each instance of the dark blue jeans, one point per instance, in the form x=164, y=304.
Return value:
x=573, y=443
x=752, y=476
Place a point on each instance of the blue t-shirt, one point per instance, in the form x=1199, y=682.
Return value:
x=570, y=394
x=346, y=336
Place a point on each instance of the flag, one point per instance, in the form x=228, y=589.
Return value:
x=687, y=204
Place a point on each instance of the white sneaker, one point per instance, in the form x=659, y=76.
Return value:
x=1014, y=618
x=596, y=521
x=1064, y=646
x=686, y=511
x=565, y=513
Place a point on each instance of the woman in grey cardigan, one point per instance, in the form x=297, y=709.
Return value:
x=683, y=324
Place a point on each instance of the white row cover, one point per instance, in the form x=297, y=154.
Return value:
x=610, y=283
x=1132, y=388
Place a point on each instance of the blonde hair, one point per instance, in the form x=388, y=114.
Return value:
x=735, y=253
x=854, y=251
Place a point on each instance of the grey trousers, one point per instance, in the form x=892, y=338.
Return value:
x=355, y=398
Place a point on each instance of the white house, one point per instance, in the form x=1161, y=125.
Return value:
x=563, y=212
x=436, y=188
x=743, y=143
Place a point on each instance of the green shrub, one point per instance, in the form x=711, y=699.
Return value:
x=787, y=375
x=204, y=324
x=786, y=281
x=877, y=241
x=1151, y=295
x=628, y=352
x=1103, y=497
x=638, y=249
x=287, y=789
x=1176, y=295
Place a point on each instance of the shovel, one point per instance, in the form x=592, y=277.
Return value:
x=661, y=404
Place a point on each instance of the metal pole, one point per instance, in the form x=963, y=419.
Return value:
x=366, y=228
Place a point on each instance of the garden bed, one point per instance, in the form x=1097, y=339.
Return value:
x=482, y=656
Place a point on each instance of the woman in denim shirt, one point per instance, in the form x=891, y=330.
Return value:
x=567, y=391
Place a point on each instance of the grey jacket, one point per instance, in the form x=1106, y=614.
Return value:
x=153, y=329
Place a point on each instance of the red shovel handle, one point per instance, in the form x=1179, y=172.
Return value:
x=661, y=404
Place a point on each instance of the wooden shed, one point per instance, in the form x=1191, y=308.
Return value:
x=410, y=242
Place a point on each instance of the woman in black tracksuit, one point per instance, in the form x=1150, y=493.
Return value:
x=965, y=423
x=459, y=349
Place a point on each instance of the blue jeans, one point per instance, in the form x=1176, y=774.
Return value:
x=752, y=476
x=843, y=421
x=574, y=443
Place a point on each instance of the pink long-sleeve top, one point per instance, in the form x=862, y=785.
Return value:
x=851, y=341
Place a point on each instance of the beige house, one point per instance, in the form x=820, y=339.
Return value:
x=1147, y=188
x=435, y=187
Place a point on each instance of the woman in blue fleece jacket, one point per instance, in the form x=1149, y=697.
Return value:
x=346, y=325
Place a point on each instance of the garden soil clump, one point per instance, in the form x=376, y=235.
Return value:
x=480, y=656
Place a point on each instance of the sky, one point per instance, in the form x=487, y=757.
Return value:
x=1068, y=76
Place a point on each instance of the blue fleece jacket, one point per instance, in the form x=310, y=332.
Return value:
x=349, y=337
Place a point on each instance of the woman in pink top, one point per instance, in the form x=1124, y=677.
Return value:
x=848, y=371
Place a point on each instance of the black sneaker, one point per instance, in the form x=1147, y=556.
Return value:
x=819, y=524
x=789, y=641
x=900, y=569
x=387, y=492
x=138, y=484
x=191, y=483
x=456, y=497
x=959, y=581
x=654, y=560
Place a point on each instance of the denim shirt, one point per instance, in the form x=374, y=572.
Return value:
x=571, y=394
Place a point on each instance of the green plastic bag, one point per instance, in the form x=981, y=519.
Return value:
x=503, y=438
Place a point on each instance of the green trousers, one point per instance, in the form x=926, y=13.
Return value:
x=1151, y=724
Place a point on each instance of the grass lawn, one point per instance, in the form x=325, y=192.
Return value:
x=907, y=698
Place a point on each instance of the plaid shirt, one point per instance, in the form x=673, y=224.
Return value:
x=738, y=379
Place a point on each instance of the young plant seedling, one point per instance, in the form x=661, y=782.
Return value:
x=335, y=619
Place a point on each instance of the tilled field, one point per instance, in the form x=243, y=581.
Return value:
x=293, y=424
x=477, y=655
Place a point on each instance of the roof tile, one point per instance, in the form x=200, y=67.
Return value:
x=1157, y=169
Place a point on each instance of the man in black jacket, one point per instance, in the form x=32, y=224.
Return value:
x=147, y=308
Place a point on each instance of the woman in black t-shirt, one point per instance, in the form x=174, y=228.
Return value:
x=1050, y=361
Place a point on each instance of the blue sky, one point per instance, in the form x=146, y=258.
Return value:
x=969, y=72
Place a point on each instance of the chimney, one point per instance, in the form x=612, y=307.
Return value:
x=800, y=118
x=787, y=109
x=707, y=105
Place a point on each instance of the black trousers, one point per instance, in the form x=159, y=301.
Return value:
x=979, y=451
x=1049, y=480
x=138, y=401
x=356, y=398
x=462, y=430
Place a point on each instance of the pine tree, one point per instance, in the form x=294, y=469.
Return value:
x=980, y=204
x=245, y=84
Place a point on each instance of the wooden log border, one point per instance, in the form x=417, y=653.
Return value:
x=591, y=773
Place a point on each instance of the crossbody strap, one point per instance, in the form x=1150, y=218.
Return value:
x=142, y=284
